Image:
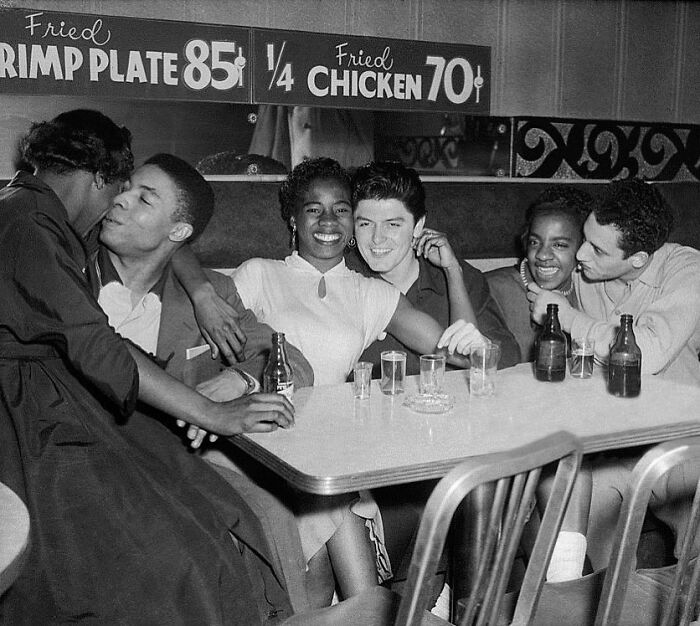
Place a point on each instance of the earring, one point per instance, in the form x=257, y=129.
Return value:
x=352, y=242
x=293, y=242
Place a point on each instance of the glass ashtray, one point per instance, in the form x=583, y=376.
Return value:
x=429, y=402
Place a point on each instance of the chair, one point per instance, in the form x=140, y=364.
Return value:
x=517, y=474
x=14, y=536
x=679, y=590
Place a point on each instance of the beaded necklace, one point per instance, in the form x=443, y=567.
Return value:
x=523, y=277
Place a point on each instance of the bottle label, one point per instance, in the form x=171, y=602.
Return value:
x=550, y=364
x=286, y=390
x=624, y=378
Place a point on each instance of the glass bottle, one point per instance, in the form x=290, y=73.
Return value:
x=550, y=354
x=277, y=375
x=625, y=363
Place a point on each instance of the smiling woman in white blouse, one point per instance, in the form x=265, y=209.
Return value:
x=332, y=314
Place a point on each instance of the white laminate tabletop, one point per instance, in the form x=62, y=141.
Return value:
x=14, y=536
x=340, y=444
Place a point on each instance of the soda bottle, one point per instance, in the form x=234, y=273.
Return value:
x=625, y=363
x=277, y=375
x=550, y=354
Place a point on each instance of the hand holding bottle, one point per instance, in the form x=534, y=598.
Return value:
x=539, y=300
x=277, y=375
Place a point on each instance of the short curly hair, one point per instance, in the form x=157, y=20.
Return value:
x=81, y=139
x=566, y=200
x=194, y=194
x=639, y=211
x=299, y=181
x=389, y=180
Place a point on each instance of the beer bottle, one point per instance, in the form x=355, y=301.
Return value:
x=625, y=363
x=277, y=375
x=550, y=353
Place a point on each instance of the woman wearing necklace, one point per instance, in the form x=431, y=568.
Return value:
x=551, y=236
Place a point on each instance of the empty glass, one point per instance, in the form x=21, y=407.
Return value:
x=484, y=364
x=432, y=374
x=362, y=379
x=582, y=355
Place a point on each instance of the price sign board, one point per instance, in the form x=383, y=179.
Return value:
x=74, y=53
x=345, y=71
x=53, y=52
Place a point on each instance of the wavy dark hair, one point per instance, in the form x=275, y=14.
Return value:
x=639, y=211
x=389, y=180
x=81, y=139
x=194, y=194
x=299, y=181
x=564, y=200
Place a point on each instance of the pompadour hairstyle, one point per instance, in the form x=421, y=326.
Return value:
x=389, y=180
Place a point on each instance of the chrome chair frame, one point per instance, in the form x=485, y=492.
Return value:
x=516, y=473
x=653, y=465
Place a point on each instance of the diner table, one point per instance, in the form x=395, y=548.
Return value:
x=14, y=536
x=340, y=444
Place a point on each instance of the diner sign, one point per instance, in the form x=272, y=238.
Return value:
x=51, y=52
x=73, y=53
x=346, y=71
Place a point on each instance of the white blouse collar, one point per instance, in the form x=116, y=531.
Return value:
x=296, y=261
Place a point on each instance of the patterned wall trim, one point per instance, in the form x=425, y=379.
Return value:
x=553, y=148
x=596, y=149
x=474, y=146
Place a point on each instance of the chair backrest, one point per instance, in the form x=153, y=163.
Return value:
x=681, y=602
x=517, y=474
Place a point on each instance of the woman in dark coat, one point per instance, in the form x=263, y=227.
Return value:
x=126, y=527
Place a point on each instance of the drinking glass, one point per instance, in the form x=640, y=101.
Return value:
x=432, y=374
x=362, y=379
x=393, y=372
x=484, y=364
x=582, y=355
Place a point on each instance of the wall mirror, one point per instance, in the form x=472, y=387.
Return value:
x=221, y=137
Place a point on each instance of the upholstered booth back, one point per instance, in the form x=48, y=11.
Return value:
x=483, y=219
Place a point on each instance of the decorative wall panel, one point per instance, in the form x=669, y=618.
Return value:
x=596, y=149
